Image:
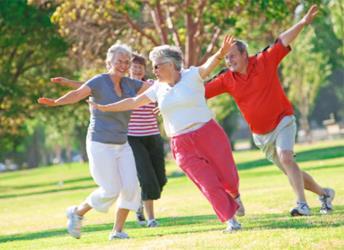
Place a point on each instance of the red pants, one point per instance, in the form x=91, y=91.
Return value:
x=205, y=156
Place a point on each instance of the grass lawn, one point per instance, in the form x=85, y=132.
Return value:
x=33, y=203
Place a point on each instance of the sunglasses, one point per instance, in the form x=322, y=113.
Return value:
x=157, y=66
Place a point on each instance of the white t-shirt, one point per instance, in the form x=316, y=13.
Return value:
x=182, y=105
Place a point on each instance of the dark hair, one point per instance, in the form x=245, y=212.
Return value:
x=139, y=59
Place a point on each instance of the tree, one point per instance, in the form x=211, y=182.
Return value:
x=31, y=51
x=195, y=26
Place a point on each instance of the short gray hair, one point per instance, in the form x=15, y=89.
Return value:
x=241, y=45
x=114, y=50
x=168, y=52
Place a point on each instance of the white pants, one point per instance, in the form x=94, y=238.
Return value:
x=113, y=169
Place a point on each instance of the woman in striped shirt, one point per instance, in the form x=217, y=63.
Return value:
x=146, y=143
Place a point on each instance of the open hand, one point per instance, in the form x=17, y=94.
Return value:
x=93, y=104
x=47, y=101
x=311, y=13
x=156, y=111
x=60, y=80
x=227, y=44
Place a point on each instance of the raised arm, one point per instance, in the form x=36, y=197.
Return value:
x=69, y=98
x=214, y=60
x=66, y=82
x=289, y=35
x=124, y=105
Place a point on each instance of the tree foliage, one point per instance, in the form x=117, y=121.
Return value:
x=195, y=26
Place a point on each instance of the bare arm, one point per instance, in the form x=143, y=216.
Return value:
x=214, y=60
x=289, y=35
x=66, y=82
x=69, y=98
x=124, y=105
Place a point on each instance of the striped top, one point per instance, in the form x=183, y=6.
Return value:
x=143, y=121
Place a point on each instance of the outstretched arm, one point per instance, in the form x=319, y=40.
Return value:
x=66, y=82
x=124, y=105
x=213, y=61
x=289, y=35
x=69, y=98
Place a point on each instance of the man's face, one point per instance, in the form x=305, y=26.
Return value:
x=236, y=61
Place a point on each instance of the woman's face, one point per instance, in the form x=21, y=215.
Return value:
x=120, y=64
x=162, y=68
x=137, y=71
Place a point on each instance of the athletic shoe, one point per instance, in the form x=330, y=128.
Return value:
x=140, y=217
x=326, y=201
x=241, y=209
x=74, y=222
x=152, y=223
x=118, y=235
x=301, y=209
x=232, y=226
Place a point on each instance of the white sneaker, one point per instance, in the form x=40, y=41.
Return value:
x=232, y=226
x=241, y=210
x=152, y=223
x=326, y=201
x=301, y=209
x=74, y=222
x=118, y=235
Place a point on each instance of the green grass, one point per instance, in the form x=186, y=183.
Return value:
x=32, y=205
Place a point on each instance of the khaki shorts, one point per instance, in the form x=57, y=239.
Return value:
x=280, y=139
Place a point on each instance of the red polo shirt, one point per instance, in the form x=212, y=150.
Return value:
x=259, y=94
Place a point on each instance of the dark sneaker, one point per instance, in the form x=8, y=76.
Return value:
x=140, y=217
x=326, y=201
x=301, y=209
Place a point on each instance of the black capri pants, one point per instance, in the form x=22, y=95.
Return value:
x=150, y=164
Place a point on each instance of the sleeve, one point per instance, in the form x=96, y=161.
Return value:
x=218, y=85
x=93, y=83
x=151, y=92
x=137, y=85
x=274, y=53
x=196, y=74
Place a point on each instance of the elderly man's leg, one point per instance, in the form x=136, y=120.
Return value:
x=295, y=175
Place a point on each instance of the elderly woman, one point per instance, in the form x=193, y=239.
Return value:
x=111, y=159
x=199, y=145
x=146, y=143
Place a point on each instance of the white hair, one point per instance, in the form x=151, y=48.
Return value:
x=168, y=52
x=114, y=50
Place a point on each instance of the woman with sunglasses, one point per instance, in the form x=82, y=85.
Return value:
x=199, y=145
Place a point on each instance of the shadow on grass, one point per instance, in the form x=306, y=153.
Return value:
x=55, y=190
x=55, y=183
x=303, y=156
x=202, y=223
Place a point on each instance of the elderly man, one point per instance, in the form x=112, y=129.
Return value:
x=253, y=83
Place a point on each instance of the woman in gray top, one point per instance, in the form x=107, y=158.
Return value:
x=111, y=160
